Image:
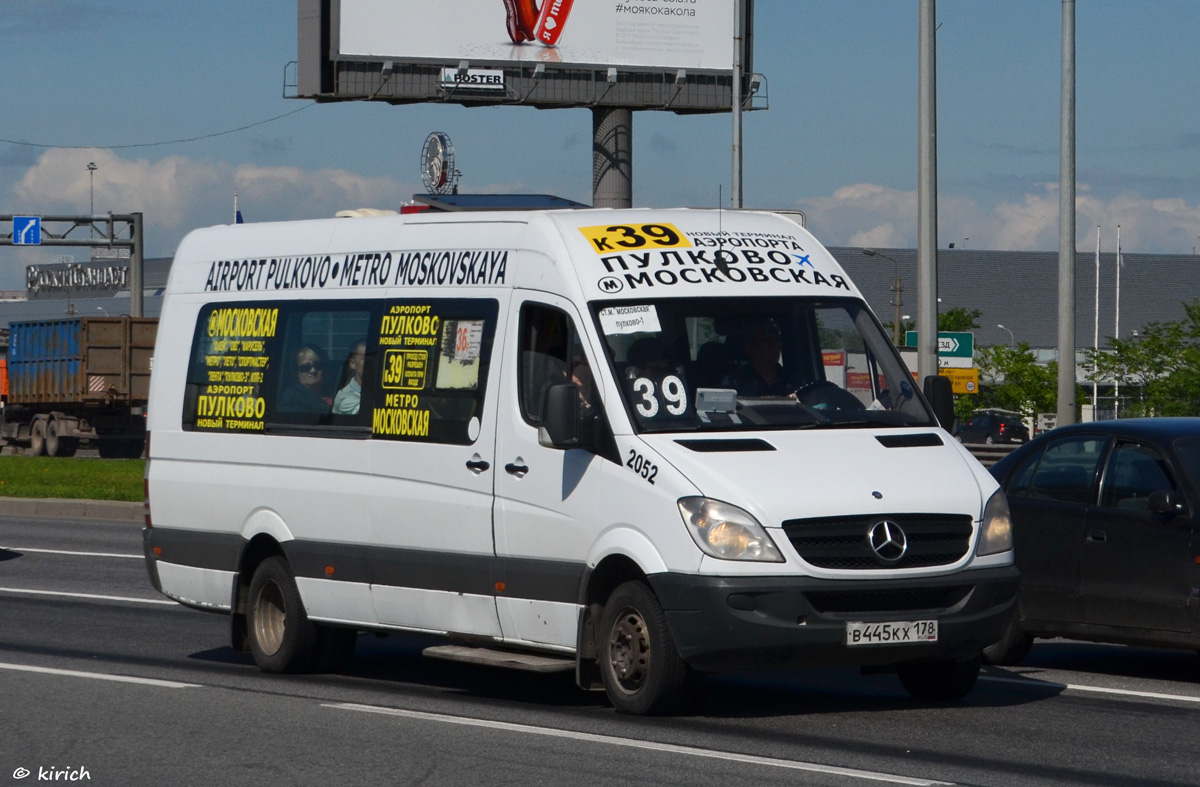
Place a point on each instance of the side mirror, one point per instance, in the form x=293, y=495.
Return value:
x=1162, y=501
x=560, y=417
x=940, y=394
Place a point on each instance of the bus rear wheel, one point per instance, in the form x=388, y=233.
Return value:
x=282, y=639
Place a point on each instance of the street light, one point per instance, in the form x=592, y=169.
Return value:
x=91, y=168
x=897, y=288
x=1011, y=339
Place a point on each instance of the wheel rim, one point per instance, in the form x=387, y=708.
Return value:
x=270, y=618
x=629, y=650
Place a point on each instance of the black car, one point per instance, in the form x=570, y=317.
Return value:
x=1106, y=534
x=992, y=426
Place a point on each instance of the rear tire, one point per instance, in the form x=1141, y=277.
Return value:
x=940, y=681
x=641, y=669
x=37, y=438
x=53, y=444
x=282, y=638
x=67, y=446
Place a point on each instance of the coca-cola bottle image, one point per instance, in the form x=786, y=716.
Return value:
x=522, y=19
x=552, y=20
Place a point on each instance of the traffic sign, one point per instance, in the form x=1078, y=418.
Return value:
x=962, y=381
x=951, y=344
x=27, y=231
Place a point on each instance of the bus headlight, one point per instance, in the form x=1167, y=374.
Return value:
x=995, y=533
x=726, y=531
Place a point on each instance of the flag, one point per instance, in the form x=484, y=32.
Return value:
x=237, y=214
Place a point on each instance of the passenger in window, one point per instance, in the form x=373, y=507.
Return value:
x=307, y=394
x=761, y=375
x=349, y=395
x=648, y=357
x=581, y=376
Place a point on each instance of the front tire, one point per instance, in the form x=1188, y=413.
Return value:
x=940, y=681
x=642, y=671
x=282, y=639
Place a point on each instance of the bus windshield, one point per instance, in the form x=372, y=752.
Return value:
x=738, y=364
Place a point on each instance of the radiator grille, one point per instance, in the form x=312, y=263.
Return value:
x=843, y=543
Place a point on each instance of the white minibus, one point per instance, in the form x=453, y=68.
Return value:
x=633, y=444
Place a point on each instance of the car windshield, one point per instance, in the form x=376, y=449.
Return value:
x=738, y=364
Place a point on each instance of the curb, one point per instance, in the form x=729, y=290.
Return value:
x=60, y=508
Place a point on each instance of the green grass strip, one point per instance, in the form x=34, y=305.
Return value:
x=79, y=478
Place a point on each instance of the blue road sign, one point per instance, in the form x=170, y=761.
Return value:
x=27, y=230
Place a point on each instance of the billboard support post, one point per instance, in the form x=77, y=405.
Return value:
x=612, y=157
x=736, y=106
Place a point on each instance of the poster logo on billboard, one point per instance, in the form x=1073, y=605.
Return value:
x=473, y=79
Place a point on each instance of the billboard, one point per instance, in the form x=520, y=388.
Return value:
x=689, y=34
x=674, y=55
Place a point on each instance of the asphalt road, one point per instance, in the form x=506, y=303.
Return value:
x=104, y=680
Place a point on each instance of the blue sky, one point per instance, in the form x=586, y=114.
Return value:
x=839, y=140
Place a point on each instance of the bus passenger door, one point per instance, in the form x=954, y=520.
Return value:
x=433, y=462
x=546, y=499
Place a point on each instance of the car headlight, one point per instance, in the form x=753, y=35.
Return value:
x=995, y=534
x=726, y=531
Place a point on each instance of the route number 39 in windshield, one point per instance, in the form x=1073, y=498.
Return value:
x=627, y=237
x=667, y=396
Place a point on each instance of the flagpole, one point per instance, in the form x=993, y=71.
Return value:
x=1117, y=325
x=1096, y=325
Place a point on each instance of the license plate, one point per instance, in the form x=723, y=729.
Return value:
x=891, y=633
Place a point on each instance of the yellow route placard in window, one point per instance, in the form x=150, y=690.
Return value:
x=405, y=369
x=634, y=237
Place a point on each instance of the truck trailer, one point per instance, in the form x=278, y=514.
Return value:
x=80, y=378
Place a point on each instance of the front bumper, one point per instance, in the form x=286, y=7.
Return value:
x=723, y=623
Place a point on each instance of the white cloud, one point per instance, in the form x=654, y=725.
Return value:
x=178, y=194
x=866, y=214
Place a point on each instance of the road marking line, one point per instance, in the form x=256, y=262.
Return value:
x=65, y=552
x=168, y=684
x=1154, y=695
x=94, y=596
x=638, y=744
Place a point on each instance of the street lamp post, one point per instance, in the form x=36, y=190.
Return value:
x=897, y=287
x=1011, y=339
x=91, y=168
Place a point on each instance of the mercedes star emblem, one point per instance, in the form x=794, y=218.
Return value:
x=887, y=541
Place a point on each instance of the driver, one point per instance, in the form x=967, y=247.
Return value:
x=762, y=375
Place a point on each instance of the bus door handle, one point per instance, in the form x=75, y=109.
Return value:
x=477, y=464
x=517, y=468
x=1097, y=537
